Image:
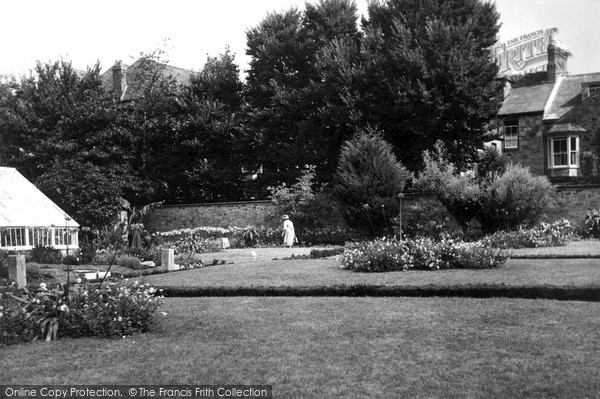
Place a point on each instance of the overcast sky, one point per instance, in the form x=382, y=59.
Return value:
x=84, y=31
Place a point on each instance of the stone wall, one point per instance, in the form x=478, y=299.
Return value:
x=531, y=144
x=570, y=202
x=224, y=214
x=573, y=202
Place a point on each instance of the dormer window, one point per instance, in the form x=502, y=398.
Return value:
x=589, y=89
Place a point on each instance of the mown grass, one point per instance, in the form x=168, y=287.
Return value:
x=342, y=347
x=327, y=272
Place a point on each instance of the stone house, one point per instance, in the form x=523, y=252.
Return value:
x=550, y=121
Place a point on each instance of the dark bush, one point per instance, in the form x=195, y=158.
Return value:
x=324, y=253
x=47, y=255
x=87, y=251
x=130, y=262
x=368, y=180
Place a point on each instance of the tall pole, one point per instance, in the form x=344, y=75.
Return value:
x=400, y=196
x=67, y=237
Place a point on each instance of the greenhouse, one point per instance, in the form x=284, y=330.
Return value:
x=28, y=218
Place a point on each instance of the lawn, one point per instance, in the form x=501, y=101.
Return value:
x=342, y=347
x=327, y=272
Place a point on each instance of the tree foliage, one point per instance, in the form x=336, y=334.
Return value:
x=505, y=197
x=367, y=183
x=430, y=75
x=290, y=99
x=458, y=191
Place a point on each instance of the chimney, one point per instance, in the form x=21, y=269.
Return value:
x=118, y=77
x=557, y=59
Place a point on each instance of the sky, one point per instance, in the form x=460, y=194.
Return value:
x=84, y=32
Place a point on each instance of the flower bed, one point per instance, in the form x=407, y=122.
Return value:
x=555, y=234
x=420, y=253
x=118, y=308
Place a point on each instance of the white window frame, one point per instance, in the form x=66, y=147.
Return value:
x=511, y=130
x=26, y=237
x=571, y=152
x=593, y=88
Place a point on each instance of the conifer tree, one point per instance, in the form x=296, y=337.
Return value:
x=367, y=183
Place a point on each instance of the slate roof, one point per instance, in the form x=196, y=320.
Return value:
x=23, y=205
x=533, y=93
x=133, y=76
x=527, y=95
x=568, y=94
x=565, y=128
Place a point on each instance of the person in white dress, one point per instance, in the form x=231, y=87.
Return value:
x=289, y=235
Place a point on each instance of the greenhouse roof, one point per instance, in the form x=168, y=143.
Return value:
x=23, y=205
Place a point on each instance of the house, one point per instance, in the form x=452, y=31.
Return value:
x=550, y=120
x=28, y=218
x=128, y=81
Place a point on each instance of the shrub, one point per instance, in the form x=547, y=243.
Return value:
x=427, y=218
x=514, y=198
x=105, y=258
x=144, y=254
x=87, y=251
x=129, y=261
x=43, y=254
x=251, y=236
x=543, y=235
x=420, y=253
x=591, y=224
x=118, y=308
x=4, y=264
x=375, y=256
x=368, y=180
x=71, y=259
x=324, y=253
x=308, y=205
x=459, y=192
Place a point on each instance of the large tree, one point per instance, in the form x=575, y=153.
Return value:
x=430, y=76
x=65, y=135
x=287, y=93
x=210, y=150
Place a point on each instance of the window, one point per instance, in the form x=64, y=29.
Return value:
x=511, y=135
x=40, y=236
x=564, y=152
x=594, y=88
x=12, y=237
x=64, y=236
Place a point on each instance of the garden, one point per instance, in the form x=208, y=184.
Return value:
x=410, y=305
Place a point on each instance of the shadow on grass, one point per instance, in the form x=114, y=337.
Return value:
x=525, y=292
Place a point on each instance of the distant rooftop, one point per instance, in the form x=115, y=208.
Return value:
x=133, y=75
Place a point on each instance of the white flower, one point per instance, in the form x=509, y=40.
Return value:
x=63, y=308
x=78, y=281
x=43, y=286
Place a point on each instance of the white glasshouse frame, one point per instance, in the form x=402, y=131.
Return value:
x=25, y=238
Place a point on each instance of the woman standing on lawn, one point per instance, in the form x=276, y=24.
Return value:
x=289, y=235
